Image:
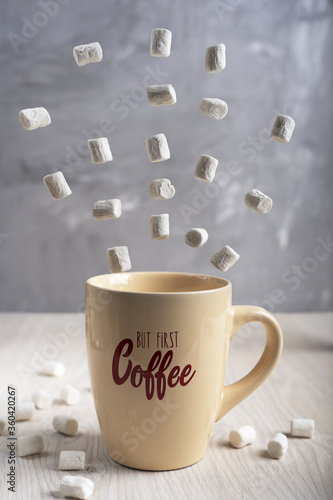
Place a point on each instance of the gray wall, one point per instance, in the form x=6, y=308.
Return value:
x=279, y=60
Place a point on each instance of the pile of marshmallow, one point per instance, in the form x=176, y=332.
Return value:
x=158, y=151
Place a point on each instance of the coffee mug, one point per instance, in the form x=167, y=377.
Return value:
x=157, y=346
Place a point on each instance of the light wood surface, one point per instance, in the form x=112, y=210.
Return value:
x=301, y=386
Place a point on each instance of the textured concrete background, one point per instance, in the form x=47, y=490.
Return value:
x=279, y=60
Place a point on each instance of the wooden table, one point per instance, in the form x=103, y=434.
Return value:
x=301, y=386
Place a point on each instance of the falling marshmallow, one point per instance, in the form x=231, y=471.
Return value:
x=277, y=446
x=161, y=95
x=72, y=460
x=206, y=168
x=65, y=424
x=283, y=128
x=76, y=487
x=160, y=42
x=32, y=118
x=196, y=237
x=215, y=58
x=243, y=436
x=57, y=185
x=89, y=53
x=100, y=150
x=302, y=427
x=258, y=201
x=107, y=209
x=157, y=148
x=118, y=259
x=224, y=259
x=161, y=189
x=159, y=226
x=213, y=107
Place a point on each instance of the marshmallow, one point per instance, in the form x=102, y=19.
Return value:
x=243, y=436
x=215, y=58
x=213, y=107
x=159, y=226
x=107, y=209
x=72, y=460
x=119, y=259
x=32, y=118
x=57, y=185
x=65, y=424
x=196, y=237
x=100, y=150
x=53, y=368
x=30, y=444
x=76, y=487
x=70, y=395
x=161, y=189
x=89, y=53
x=161, y=95
x=224, y=259
x=206, y=168
x=160, y=42
x=302, y=427
x=283, y=128
x=42, y=399
x=24, y=411
x=157, y=148
x=277, y=446
x=258, y=201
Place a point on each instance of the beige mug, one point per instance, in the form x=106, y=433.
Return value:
x=157, y=346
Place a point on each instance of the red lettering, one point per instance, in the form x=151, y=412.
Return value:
x=116, y=358
x=186, y=371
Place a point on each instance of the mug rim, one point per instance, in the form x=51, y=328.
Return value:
x=224, y=283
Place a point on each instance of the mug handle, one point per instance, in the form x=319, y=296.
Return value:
x=236, y=392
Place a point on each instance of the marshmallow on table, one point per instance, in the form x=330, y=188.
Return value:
x=302, y=427
x=89, y=53
x=161, y=189
x=206, y=168
x=161, y=95
x=243, y=436
x=283, y=128
x=213, y=107
x=160, y=42
x=57, y=185
x=159, y=226
x=29, y=445
x=70, y=395
x=100, y=150
x=107, y=209
x=277, y=446
x=32, y=118
x=24, y=411
x=157, y=148
x=196, y=237
x=72, y=460
x=65, y=424
x=42, y=399
x=215, y=58
x=258, y=201
x=76, y=487
x=118, y=259
x=53, y=368
x=224, y=259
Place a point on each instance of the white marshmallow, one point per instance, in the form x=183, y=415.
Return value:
x=65, y=424
x=214, y=107
x=161, y=189
x=42, y=399
x=196, y=237
x=283, y=128
x=3, y=425
x=32, y=118
x=30, y=444
x=119, y=259
x=70, y=395
x=277, y=446
x=157, y=148
x=24, y=411
x=159, y=226
x=206, y=168
x=57, y=185
x=224, y=259
x=215, y=58
x=89, y=53
x=100, y=150
x=160, y=42
x=107, y=209
x=258, y=201
x=243, y=436
x=161, y=95
x=53, y=368
x=76, y=487
x=72, y=460
x=302, y=427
